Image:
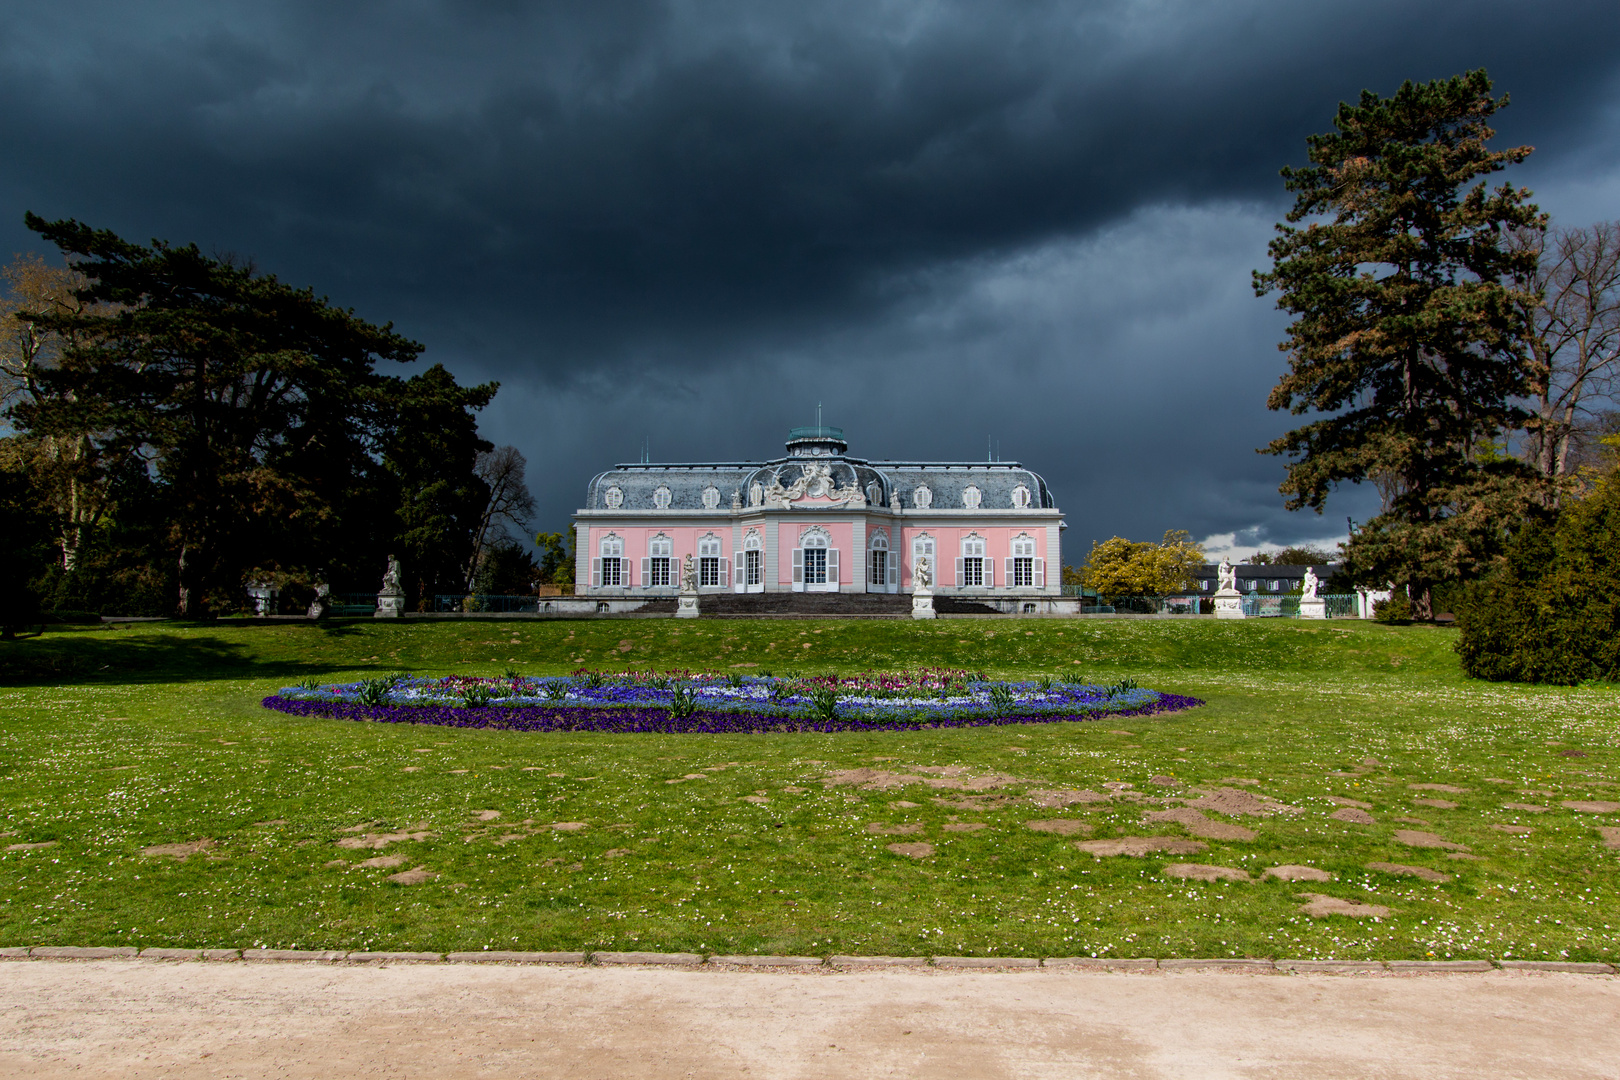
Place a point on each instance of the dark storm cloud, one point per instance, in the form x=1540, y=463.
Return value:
x=690, y=220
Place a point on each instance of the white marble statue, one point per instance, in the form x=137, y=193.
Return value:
x=1308, y=591
x=689, y=575
x=920, y=577
x=1226, y=576
x=390, y=583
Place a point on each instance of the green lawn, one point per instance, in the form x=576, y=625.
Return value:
x=153, y=735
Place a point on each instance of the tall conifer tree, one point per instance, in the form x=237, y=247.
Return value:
x=1406, y=338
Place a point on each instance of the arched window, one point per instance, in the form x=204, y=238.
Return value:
x=879, y=567
x=661, y=496
x=923, y=497
x=753, y=561
x=972, y=497
x=815, y=563
x=610, y=568
x=1020, y=497
x=711, y=497
x=972, y=568
x=659, y=571
x=613, y=497
x=874, y=493
x=1024, y=570
x=710, y=573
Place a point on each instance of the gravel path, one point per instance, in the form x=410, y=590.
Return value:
x=140, y=1018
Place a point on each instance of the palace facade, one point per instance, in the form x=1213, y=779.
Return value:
x=819, y=520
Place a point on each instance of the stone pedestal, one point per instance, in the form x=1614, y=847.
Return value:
x=686, y=605
x=1313, y=608
x=390, y=605
x=922, y=604
x=1228, y=604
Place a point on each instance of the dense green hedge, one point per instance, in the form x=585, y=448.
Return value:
x=1551, y=614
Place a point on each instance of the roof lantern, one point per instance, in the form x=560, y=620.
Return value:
x=816, y=441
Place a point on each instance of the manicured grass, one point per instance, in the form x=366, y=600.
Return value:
x=160, y=739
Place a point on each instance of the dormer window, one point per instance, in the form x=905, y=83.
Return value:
x=661, y=497
x=1020, y=497
x=613, y=497
x=923, y=497
x=711, y=497
x=971, y=497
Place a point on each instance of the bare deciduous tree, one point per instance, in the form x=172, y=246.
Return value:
x=510, y=503
x=1574, y=341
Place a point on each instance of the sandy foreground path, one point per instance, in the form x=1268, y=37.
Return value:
x=150, y=1019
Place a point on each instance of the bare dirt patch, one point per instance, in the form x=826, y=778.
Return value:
x=1320, y=907
x=942, y=777
x=412, y=877
x=1292, y=872
x=1352, y=815
x=755, y=799
x=615, y=853
x=31, y=847
x=1200, y=872
x=1611, y=836
x=1438, y=804
x=1164, y=781
x=382, y=840
x=1592, y=807
x=1196, y=823
x=966, y=826
x=1235, y=801
x=1516, y=830
x=913, y=851
x=878, y=828
x=1140, y=845
x=1337, y=800
x=179, y=852
x=1415, y=838
x=1528, y=808
x=381, y=861
x=1452, y=788
x=1061, y=826
x=1058, y=798
x=1403, y=870
x=487, y=815
x=972, y=802
x=568, y=826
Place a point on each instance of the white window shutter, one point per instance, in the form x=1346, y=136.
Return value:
x=1009, y=579
x=625, y=568
x=832, y=567
x=725, y=572
x=737, y=570
x=596, y=573
x=798, y=569
x=646, y=572
x=1040, y=573
x=959, y=575
x=989, y=572
x=894, y=575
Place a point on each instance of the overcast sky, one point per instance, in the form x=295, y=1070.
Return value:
x=1026, y=223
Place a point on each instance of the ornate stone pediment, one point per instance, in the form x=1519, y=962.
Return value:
x=815, y=488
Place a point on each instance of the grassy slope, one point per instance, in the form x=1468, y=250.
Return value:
x=163, y=741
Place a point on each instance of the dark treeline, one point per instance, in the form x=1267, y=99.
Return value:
x=183, y=425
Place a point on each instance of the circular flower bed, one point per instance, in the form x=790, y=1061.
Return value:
x=709, y=702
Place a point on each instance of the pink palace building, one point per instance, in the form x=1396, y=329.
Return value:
x=820, y=521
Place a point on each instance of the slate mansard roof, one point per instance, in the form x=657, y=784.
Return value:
x=638, y=482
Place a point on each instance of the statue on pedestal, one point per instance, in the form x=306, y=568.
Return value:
x=921, y=579
x=686, y=604
x=1228, y=601
x=1311, y=606
x=922, y=593
x=319, y=606
x=1226, y=576
x=391, y=598
x=1310, y=585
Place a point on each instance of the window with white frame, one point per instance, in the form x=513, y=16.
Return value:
x=660, y=572
x=972, y=497
x=1020, y=497
x=610, y=563
x=661, y=496
x=1022, y=575
x=923, y=497
x=877, y=560
x=970, y=568
x=815, y=559
x=709, y=561
x=711, y=497
x=613, y=497
x=753, y=560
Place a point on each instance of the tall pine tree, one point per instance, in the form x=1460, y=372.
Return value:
x=1406, y=340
